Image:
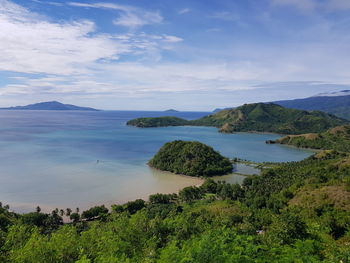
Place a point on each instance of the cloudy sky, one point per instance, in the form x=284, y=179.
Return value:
x=160, y=54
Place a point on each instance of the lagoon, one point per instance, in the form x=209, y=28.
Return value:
x=79, y=159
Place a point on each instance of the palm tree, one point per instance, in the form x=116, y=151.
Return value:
x=38, y=209
x=68, y=211
x=61, y=212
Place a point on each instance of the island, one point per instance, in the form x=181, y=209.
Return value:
x=171, y=110
x=157, y=122
x=50, y=105
x=191, y=158
x=256, y=117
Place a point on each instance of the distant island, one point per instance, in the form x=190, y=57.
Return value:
x=50, y=105
x=171, y=110
x=190, y=158
x=256, y=117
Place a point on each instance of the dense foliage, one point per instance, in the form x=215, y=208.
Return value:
x=258, y=117
x=295, y=212
x=337, y=138
x=157, y=122
x=190, y=158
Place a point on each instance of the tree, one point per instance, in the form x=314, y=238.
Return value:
x=133, y=206
x=190, y=193
x=75, y=217
x=159, y=199
x=68, y=211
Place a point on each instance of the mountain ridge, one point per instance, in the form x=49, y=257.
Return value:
x=338, y=105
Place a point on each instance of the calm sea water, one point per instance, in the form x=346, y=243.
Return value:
x=78, y=159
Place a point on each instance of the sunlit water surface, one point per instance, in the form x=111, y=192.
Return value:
x=78, y=159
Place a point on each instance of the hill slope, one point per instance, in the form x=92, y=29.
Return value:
x=270, y=117
x=337, y=138
x=50, y=105
x=337, y=105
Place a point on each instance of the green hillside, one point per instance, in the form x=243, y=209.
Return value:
x=259, y=117
x=190, y=158
x=262, y=117
x=337, y=138
x=295, y=212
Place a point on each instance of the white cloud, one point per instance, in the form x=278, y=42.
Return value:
x=129, y=16
x=172, y=39
x=33, y=45
x=29, y=43
x=184, y=11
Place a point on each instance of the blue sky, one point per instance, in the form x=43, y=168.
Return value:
x=160, y=54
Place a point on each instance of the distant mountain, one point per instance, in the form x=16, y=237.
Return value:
x=334, y=94
x=337, y=103
x=259, y=117
x=171, y=110
x=50, y=105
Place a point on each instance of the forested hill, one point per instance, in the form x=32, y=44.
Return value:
x=259, y=117
x=337, y=138
x=190, y=158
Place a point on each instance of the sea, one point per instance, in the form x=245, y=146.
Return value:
x=85, y=158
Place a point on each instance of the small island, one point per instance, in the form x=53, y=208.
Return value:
x=157, y=122
x=191, y=158
x=171, y=110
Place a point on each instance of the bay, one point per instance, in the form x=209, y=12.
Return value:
x=79, y=159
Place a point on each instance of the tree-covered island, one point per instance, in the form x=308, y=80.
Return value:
x=191, y=158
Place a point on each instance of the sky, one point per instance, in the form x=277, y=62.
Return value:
x=194, y=55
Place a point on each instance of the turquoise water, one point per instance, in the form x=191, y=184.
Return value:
x=78, y=159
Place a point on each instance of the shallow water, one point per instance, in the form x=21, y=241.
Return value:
x=78, y=159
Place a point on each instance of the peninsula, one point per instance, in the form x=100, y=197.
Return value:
x=257, y=117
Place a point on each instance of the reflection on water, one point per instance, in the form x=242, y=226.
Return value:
x=79, y=159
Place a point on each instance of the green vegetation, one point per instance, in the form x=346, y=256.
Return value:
x=157, y=122
x=295, y=212
x=190, y=158
x=337, y=138
x=258, y=117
